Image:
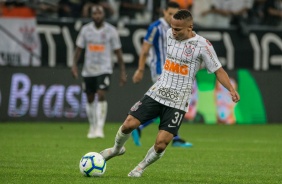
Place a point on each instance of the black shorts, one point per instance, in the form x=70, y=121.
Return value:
x=92, y=84
x=147, y=109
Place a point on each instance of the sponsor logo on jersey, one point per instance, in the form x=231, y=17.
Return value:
x=168, y=93
x=208, y=42
x=96, y=47
x=211, y=56
x=176, y=68
x=136, y=106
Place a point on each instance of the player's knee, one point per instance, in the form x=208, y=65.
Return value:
x=101, y=95
x=130, y=124
x=160, y=146
x=90, y=98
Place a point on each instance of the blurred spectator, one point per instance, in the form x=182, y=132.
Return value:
x=17, y=8
x=157, y=9
x=20, y=44
x=86, y=12
x=239, y=10
x=131, y=9
x=184, y=4
x=47, y=8
x=198, y=8
x=229, y=12
x=256, y=13
x=70, y=8
x=273, y=12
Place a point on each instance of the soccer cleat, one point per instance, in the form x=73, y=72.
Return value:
x=99, y=133
x=181, y=143
x=136, y=172
x=91, y=133
x=108, y=153
x=136, y=136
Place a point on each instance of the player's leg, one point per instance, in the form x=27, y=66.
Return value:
x=190, y=115
x=90, y=90
x=101, y=113
x=153, y=154
x=179, y=142
x=103, y=83
x=142, y=111
x=122, y=136
x=170, y=121
x=136, y=133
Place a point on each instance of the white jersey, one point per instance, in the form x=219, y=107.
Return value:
x=98, y=44
x=183, y=60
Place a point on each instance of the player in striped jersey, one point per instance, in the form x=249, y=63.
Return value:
x=99, y=39
x=169, y=97
x=154, y=48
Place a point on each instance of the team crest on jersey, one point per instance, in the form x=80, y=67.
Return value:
x=136, y=106
x=189, y=50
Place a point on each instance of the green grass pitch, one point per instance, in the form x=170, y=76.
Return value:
x=50, y=153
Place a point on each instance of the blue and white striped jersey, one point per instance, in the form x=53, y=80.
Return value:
x=156, y=36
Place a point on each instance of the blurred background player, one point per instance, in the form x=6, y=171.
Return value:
x=99, y=38
x=154, y=45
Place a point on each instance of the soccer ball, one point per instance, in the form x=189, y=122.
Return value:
x=92, y=164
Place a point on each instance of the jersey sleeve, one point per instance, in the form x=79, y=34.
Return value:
x=152, y=34
x=115, y=39
x=210, y=58
x=80, y=40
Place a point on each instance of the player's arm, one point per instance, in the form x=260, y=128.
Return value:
x=223, y=78
x=118, y=53
x=138, y=75
x=76, y=57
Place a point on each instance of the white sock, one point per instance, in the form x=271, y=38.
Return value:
x=150, y=158
x=101, y=113
x=120, y=139
x=90, y=110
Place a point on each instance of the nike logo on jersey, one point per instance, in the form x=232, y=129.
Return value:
x=171, y=126
x=193, y=43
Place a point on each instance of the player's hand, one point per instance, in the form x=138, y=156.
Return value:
x=138, y=76
x=235, y=96
x=123, y=78
x=74, y=71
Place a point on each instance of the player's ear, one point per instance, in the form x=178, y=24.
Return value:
x=191, y=26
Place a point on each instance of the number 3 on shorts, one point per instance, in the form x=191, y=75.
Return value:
x=177, y=120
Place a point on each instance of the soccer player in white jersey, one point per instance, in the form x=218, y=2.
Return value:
x=154, y=48
x=99, y=39
x=169, y=97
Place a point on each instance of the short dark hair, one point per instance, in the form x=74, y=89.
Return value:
x=172, y=5
x=183, y=14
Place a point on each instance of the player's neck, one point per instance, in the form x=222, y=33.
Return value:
x=191, y=34
x=98, y=25
x=188, y=36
